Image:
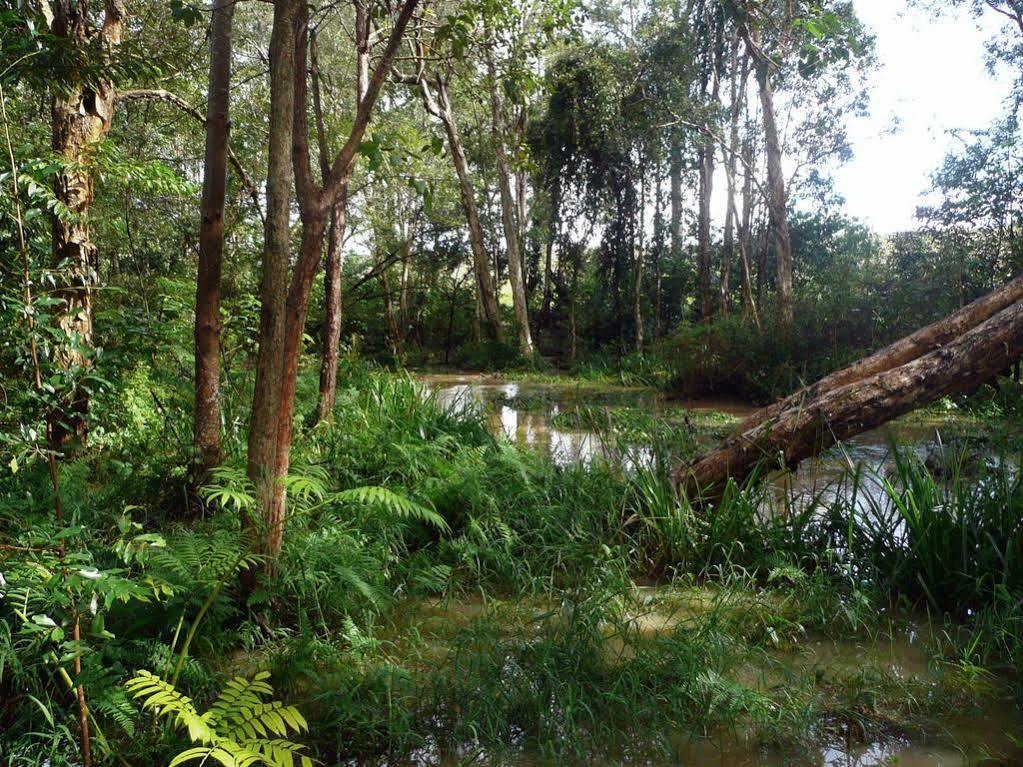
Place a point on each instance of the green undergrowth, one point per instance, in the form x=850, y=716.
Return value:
x=443, y=594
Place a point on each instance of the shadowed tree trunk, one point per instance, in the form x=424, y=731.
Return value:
x=211, y=244
x=951, y=356
x=675, y=224
x=81, y=115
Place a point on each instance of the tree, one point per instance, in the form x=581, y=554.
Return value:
x=82, y=110
x=285, y=298
x=211, y=243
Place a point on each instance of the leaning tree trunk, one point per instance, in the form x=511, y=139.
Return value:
x=81, y=114
x=816, y=421
x=907, y=349
x=211, y=245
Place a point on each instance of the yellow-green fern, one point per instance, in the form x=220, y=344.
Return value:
x=241, y=728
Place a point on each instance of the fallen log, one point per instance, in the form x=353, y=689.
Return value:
x=904, y=350
x=819, y=419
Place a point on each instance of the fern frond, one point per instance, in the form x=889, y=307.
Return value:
x=240, y=729
x=393, y=503
x=166, y=701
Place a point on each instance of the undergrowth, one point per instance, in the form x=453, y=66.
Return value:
x=443, y=592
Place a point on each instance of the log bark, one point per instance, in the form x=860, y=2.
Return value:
x=812, y=425
x=211, y=245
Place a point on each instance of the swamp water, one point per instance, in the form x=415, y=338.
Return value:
x=533, y=415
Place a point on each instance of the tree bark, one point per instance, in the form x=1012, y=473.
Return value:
x=266, y=398
x=81, y=115
x=830, y=414
x=211, y=244
x=776, y=199
x=508, y=210
x=441, y=109
x=336, y=230
x=638, y=253
x=675, y=225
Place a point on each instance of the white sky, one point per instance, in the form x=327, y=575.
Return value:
x=932, y=79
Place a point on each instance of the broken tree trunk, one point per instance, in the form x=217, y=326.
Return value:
x=814, y=422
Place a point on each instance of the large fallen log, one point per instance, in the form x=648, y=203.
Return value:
x=904, y=350
x=821, y=417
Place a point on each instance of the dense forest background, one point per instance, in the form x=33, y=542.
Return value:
x=221, y=226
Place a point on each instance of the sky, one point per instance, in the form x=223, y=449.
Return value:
x=932, y=80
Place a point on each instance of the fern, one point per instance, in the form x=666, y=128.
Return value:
x=240, y=729
x=393, y=503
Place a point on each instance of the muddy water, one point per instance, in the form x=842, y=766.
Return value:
x=988, y=733
x=527, y=413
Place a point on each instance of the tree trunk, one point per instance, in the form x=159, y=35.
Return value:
x=675, y=171
x=266, y=398
x=81, y=115
x=397, y=345
x=826, y=415
x=508, y=210
x=745, y=227
x=638, y=252
x=703, y=229
x=334, y=261
x=923, y=341
x=737, y=91
x=211, y=244
x=486, y=295
x=776, y=199
x=333, y=264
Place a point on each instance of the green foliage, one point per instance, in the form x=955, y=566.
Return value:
x=239, y=729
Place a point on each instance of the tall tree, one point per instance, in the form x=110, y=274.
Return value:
x=211, y=243
x=777, y=201
x=435, y=93
x=509, y=207
x=279, y=354
x=266, y=398
x=82, y=111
